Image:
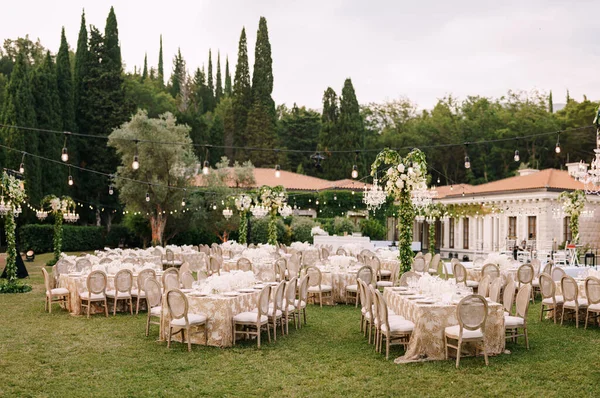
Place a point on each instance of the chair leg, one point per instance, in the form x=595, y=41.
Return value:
x=130, y=305
x=542, y=312
x=105, y=307
x=526, y=337
x=485, y=354
x=233, y=335
x=268, y=332
x=274, y=328
x=587, y=314
x=356, y=299
x=170, y=333
x=148, y=324
x=562, y=317
x=577, y=318
x=49, y=304
x=189, y=340
x=387, y=347
x=458, y=349
x=89, y=304
x=258, y=334
x=115, y=306
x=320, y=299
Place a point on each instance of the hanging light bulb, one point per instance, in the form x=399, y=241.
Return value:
x=557, y=148
x=136, y=161
x=147, y=196
x=205, y=169
x=110, y=190
x=517, y=157
x=65, y=156
x=70, y=179
x=438, y=180
x=467, y=162
x=214, y=207
x=277, y=171
x=354, y=172
x=183, y=200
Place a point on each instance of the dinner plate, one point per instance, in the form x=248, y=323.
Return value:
x=246, y=290
x=231, y=294
x=405, y=293
x=430, y=301
x=197, y=294
x=416, y=297
x=272, y=283
x=399, y=289
x=259, y=286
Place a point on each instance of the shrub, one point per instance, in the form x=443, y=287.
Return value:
x=14, y=287
x=326, y=224
x=259, y=230
x=300, y=229
x=343, y=224
x=373, y=229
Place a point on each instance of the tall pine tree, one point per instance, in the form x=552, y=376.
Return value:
x=329, y=122
x=210, y=105
x=161, y=70
x=145, y=71
x=242, y=95
x=64, y=81
x=177, y=78
x=219, y=82
x=227, y=91
x=261, y=130
x=49, y=116
x=80, y=72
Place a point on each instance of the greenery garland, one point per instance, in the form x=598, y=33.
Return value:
x=57, y=206
x=404, y=174
x=432, y=237
x=272, y=238
x=573, y=203
x=273, y=198
x=243, y=229
x=11, y=248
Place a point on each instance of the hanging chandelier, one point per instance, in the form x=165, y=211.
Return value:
x=285, y=210
x=71, y=216
x=259, y=211
x=590, y=177
x=422, y=197
x=41, y=215
x=588, y=213
x=4, y=207
x=375, y=196
x=227, y=213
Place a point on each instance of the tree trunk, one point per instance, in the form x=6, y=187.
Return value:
x=158, y=223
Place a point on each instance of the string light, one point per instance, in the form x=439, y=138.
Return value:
x=148, y=194
x=467, y=162
x=557, y=148
x=22, y=165
x=355, y=167
x=206, y=168
x=110, y=190
x=136, y=161
x=183, y=200
x=70, y=181
x=517, y=157
x=65, y=155
x=277, y=171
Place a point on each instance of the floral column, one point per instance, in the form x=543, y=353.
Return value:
x=15, y=195
x=58, y=207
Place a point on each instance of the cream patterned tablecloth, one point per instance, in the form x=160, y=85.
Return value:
x=338, y=280
x=427, y=341
x=220, y=311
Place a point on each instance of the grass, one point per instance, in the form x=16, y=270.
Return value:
x=55, y=355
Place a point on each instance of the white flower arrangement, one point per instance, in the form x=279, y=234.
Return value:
x=501, y=260
x=227, y=282
x=243, y=202
x=318, y=231
x=301, y=246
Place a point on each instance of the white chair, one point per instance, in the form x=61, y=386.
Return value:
x=525, y=275
x=300, y=302
x=170, y=279
x=508, y=297
x=315, y=287
x=460, y=274
x=572, y=302
x=434, y=264
x=122, y=290
x=55, y=295
x=96, y=291
x=512, y=324
x=419, y=265
x=549, y=298
x=365, y=273
x=139, y=292
x=275, y=312
x=393, y=278
x=289, y=307
x=187, y=281
x=394, y=328
x=244, y=264
x=592, y=292
x=495, y=289
x=484, y=286
x=252, y=323
x=181, y=320
x=153, y=294
x=472, y=313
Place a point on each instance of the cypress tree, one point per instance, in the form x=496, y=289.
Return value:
x=210, y=105
x=80, y=72
x=219, y=83
x=329, y=123
x=19, y=110
x=161, y=71
x=227, y=78
x=177, y=78
x=48, y=112
x=550, y=103
x=261, y=124
x=64, y=81
x=117, y=111
x=145, y=71
x=242, y=94
x=111, y=39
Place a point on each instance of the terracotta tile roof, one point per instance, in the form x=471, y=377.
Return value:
x=293, y=181
x=545, y=179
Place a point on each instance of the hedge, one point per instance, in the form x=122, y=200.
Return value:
x=38, y=237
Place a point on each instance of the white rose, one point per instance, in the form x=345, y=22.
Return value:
x=400, y=184
x=390, y=171
x=403, y=176
x=401, y=168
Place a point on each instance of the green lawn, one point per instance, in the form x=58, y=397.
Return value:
x=58, y=355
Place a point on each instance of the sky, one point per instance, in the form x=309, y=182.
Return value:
x=421, y=50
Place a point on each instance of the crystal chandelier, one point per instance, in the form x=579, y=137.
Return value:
x=590, y=177
x=71, y=217
x=285, y=211
x=557, y=213
x=17, y=210
x=420, y=218
x=423, y=197
x=259, y=211
x=588, y=213
x=374, y=197
x=41, y=215
x=4, y=207
x=227, y=213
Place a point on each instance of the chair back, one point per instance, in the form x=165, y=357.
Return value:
x=366, y=298
x=484, y=286
x=435, y=262
x=82, y=264
x=177, y=304
x=547, y=286
x=303, y=288
x=472, y=312
x=491, y=270
x=290, y=291
x=523, y=301
x=157, y=252
x=105, y=260
x=395, y=271
x=495, y=288
x=341, y=252
x=536, y=264
x=244, y=264
x=419, y=264
x=382, y=309
x=46, y=280
x=185, y=267
x=280, y=266
x=427, y=257
x=592, y=290
x=129, y=260
x=478, y=262
x=169, y=255
x=525, y=274
x=187, y=279
x=124, y=281
x=557, y=274
x=548, y=267
x=509, y=296
x=324, y=253
x=278, y=296
x=143, y=276
x=96, y=282
x=314, y=276
x=214, y=266
x=365, y=273
x=170, y=281
x=153, y=292
x=570, y=290
x=460, y=273
x=266, y=274
x=293, y=266
x=263, y=301
x=408, y=275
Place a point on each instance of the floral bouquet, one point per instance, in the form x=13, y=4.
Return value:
x=318, y=231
